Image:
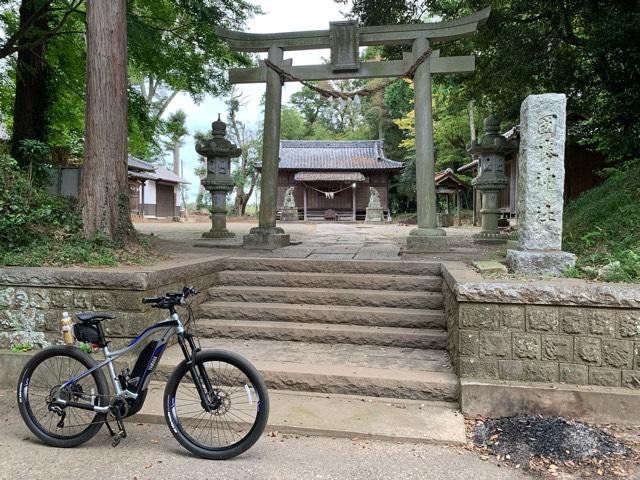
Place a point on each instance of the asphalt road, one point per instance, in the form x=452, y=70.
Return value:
x=150, y=452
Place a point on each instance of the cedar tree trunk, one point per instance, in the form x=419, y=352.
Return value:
x=104, y=192
x=29, y=113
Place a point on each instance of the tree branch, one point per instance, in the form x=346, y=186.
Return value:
x=10, y=47
x=166, y=103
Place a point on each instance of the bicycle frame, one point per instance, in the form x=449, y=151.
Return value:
x=172, y=326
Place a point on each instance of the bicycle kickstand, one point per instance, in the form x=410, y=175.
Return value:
x=122, y=432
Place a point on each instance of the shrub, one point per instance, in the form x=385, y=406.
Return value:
x=38, y=228
x=602, y=227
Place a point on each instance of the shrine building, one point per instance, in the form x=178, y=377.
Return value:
x=331, y=178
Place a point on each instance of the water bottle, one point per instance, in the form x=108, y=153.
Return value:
x=66, y=328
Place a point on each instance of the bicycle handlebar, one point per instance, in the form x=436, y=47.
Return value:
x=152, y=299
x=171, y=299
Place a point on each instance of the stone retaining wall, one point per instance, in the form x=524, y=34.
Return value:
x=32, y=299
x=565, y=331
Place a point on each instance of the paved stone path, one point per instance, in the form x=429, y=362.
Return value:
x=322, y=241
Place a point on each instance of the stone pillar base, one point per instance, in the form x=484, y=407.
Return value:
x=266, y=238
x=540, y=262
x=490, y=238
x=374, y=215
x=290, y=215
x=218, y=234
x=426, y=240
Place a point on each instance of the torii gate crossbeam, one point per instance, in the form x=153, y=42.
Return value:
x=344, y=39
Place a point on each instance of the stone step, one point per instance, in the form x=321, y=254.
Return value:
x=328, y=296
x=324, y=333
x=347, y=416
x=414, y=283
x=333, y=266
x=392, y=372
x=334, y=314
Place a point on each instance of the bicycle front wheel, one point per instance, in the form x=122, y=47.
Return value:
x=236, y=397
x=41, y=380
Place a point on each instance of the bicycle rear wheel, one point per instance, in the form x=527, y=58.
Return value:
x=238, y=400
x=42, y=378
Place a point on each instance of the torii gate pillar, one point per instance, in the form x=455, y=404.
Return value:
x=427, y=237
x=267, y=235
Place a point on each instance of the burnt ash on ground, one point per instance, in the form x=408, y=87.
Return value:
x=523, y=437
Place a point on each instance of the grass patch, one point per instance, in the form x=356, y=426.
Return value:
x=602, y=227
x=75, y=250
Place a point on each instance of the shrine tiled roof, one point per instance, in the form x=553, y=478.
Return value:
x=139, y=165
x=448, y=174
x=146, y=171
x=325, y=155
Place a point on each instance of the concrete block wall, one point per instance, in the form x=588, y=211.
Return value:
x=586, y=343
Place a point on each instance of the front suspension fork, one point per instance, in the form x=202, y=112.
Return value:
x=198, y=373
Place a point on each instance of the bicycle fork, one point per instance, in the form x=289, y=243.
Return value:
x=198, y=373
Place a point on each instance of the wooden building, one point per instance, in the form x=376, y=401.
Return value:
x=154, y=192
x=450, y=190
x=334, y=175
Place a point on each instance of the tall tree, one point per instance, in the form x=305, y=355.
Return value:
x=176, y=130
x=244, y=172
x=30, y=106
x=104, y=194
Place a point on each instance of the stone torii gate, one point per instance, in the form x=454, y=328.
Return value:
x=344, y=38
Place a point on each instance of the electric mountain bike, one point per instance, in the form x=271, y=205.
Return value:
x=215, y=402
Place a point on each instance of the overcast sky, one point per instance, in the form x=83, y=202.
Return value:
x=279, y=16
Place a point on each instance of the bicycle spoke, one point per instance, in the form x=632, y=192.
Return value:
x=228, y=423
x=45, y=381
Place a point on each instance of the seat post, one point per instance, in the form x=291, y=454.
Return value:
x=103, y=340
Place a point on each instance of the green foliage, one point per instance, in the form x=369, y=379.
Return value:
x=39, y=229
x=173, y=42
x=143, y=128
x=85, y=347
x=331, y=120
x=21, y=347
x=176, y=43
x=292, y=125
x=602, y=227
x=175, y=127
x=578, y=47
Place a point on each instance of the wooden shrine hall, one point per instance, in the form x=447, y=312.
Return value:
x=331, y=179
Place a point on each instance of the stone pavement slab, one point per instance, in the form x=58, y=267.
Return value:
x=489, y=267
x=331, y=256
x=347, y=416
x=339, y=248
x=378, y=252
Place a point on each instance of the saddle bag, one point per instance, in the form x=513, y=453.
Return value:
x=86, y=333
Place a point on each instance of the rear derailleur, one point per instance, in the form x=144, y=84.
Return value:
x=119, y=410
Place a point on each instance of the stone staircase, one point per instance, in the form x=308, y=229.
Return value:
x=367, y=328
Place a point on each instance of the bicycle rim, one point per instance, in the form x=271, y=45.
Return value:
x=45, y=379
x=231, y=422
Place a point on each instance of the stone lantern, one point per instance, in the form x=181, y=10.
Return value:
x=218, y=151
x=491, y=180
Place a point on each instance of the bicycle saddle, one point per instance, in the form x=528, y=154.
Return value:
x=94, y=316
